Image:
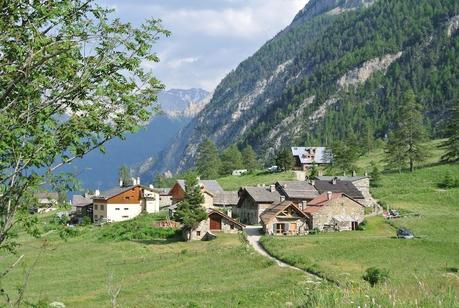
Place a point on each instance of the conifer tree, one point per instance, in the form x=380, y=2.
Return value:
x=284, y=159
x=231, y=160
x=190, y=211
x=125, y=175
x=250, y=158
x=208, y=162
x=451, y=145
x=405, y=142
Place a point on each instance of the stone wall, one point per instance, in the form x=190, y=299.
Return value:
x=302, y=226
x=339, y=207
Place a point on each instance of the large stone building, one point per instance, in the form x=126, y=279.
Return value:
x=300, y=192
x=361, y=183
x=335, y=211
x=285, y=218
x=253, y=201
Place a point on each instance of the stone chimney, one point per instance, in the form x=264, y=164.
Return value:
x=272, y=188
x=304, y=204
x=313, y=182
x=366, y=173
x=282, y=198
x=138, y=180
x=97, y=193
x=121, y=182
x=334, y=181
x=354, y=173
x=133, y=181
x=151, y=186
x=329, y=195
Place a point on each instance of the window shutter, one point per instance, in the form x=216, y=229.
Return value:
x=274, y=228
x=287, y=227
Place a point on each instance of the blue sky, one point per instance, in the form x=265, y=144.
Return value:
x=209, y=37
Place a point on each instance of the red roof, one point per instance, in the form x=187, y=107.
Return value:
x=321, y=199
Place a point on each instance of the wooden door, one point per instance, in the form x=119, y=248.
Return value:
x=215, y=222
x=293, y=227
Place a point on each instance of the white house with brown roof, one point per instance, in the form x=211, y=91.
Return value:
x=124, y=203
x=335, y=212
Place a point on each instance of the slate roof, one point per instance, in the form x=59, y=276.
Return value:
x=297, y=189
x=341, y=178
x=79, y=200
x=345, y=187
x=322, y=198
x=320, y=156
x=273, y=211
x=226, y=198
x=163, y=191
x=211, y=186
x=213, y=211
x=262, y=194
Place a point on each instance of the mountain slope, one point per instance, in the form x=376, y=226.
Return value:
x=339, y=68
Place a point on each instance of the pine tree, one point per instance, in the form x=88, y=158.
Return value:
x=284, y=159
x=344, y=155
x=231, y=159
x=375, y=175
x=125, y=175
x=451, y=145
x=190, y=211
x=208, y=162
x=250, y=158
x=405, y=141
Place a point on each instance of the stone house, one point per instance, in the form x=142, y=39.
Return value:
x=336, y=185
x=165, y=199
x=124, y=203
x=253, y=201
x=216, y=222
x=209, y=189
x=81, y=207
x=362, y=183
x=225, y=201
x=335, y=212
x=285, y=218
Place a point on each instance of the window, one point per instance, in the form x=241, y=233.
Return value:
x=125, y=216
x=232, y=227
x=126, y=208
x=101, y=207
x=198, y=233
x=96, y=207
x=127, y=197
x=95, y=217
x=280, y=228
x=117, y=209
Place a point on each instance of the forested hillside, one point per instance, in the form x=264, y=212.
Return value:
x=340, y=68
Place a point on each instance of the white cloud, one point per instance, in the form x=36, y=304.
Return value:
x=179, y=62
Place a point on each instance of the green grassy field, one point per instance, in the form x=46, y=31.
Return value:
x=419, y=268
x=252, y=179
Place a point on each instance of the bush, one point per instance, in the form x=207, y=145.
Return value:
x=374, y=275
x=448, y=182
x=362, y=226
x=314, y=231
x=86, y=221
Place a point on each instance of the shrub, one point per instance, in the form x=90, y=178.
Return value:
x=314, y=231
x=362, y=226
x=448, y=182
x=86, y=221
x=374, y=275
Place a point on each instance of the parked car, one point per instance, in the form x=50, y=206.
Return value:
x=405, y=233
x=273, y=169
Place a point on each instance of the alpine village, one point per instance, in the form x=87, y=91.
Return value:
x=243, y=153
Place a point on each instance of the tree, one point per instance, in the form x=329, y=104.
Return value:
x=314, y=171
x=231, y=160
x=451, y=145
x=208, y=162
x=190, y=211
x=284, y=159
x=344, y=155
x=125, y=176
x=404, y=142
x=71, y=79
x=375, y=175
x=250, y=158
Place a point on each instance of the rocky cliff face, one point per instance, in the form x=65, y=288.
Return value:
x=183, y=103
x=335, y=53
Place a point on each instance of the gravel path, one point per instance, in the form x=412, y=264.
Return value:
x=253, y=237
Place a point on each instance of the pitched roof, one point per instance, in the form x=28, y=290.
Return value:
x=211, y=186
x=113, y=192
x=79, y=200
x=273, y=211
x=339, y=186
x=304, y=153
x=162, y=190
x=322, y=198
x=342, y=178
x=213, y=211
x=297, y=189
x=226, y=198
x=262, y=194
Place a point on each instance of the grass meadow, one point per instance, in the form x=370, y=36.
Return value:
x=252, y=179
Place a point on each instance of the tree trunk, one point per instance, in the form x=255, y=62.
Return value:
x=411, y=165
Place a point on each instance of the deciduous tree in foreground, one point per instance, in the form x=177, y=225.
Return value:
x=71, y=78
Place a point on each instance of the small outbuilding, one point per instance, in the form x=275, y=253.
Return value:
x=216, y=222
x=285, y=218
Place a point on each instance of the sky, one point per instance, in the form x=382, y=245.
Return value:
x=209, y=37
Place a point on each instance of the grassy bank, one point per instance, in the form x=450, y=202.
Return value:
x=252, y=179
